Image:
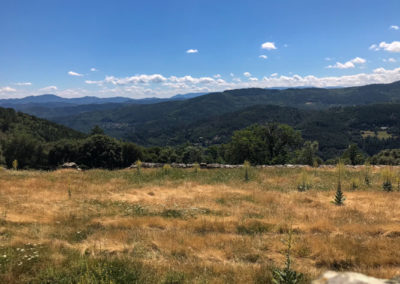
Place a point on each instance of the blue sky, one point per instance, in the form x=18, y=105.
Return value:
x=161, y=48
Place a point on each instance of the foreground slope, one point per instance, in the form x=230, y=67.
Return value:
x=188, y=227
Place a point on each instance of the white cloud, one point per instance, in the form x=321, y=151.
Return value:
x=93, y=69
x=192, y=51
x=90, y=82
x=143, y=79
x=349, y=64
x=140, y=86
x=268, y=45
x=217, y=76
x=263, y=56
x=394, y=27
x=48, y=89
x=247, y=74
x=72, y=73
x=23, y=84
x=391, y=47
x=232, y=75
x=7, y=89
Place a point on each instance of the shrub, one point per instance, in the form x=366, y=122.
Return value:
x=387, y=177
x=354, y=184
x=196, y=168
x=15, y=165
x=166, y=169
x=287, y=275
x=246, y=167
x=367, y=170
x=304, y=181
x=138, y=166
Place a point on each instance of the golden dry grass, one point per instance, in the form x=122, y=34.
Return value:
x=220, y=230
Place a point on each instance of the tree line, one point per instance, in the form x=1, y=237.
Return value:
x=268, y=144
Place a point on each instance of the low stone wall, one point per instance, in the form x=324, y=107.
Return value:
x=226, y=166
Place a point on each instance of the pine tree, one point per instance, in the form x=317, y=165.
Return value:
x=339, y=197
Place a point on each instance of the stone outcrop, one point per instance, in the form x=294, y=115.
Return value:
x=332, y=277
x=70, y=165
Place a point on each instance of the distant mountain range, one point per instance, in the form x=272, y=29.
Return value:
x=49, y=106
x=60, y=101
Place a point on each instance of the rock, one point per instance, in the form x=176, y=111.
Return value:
x=70, y=165
x=214, y=166
x=332, y=277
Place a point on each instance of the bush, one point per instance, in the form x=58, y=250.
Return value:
x=100, y=151
x=387, y=179
x=304, y=181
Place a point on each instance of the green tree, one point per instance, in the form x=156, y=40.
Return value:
x=63, y=151
x=192, y=154
x=96, y=130
x=353, y=155
x=27, y=151
x=130, y=154
x=307, y=155
x=264, y=144
x=100, y=151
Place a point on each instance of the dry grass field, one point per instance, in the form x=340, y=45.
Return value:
x=182, y=226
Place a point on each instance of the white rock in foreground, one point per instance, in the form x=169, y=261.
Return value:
x=332, y=277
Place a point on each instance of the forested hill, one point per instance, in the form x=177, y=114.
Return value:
x=127, y=119
x=14, y=123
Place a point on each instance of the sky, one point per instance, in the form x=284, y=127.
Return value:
x=162, y=48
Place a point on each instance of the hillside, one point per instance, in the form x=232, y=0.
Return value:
x=14, y=123
x=334, y=129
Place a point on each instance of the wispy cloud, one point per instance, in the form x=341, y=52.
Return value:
x=7, y=89
x=263, y=56
x=349, y=64
x=93, y=69
x=390, y=60
x=90, y=82
x=268, y=45
x=192, y=51
x=48, y=89
x=23, y=84
x=73, y=73
x=247, y=74
x=394, y=27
